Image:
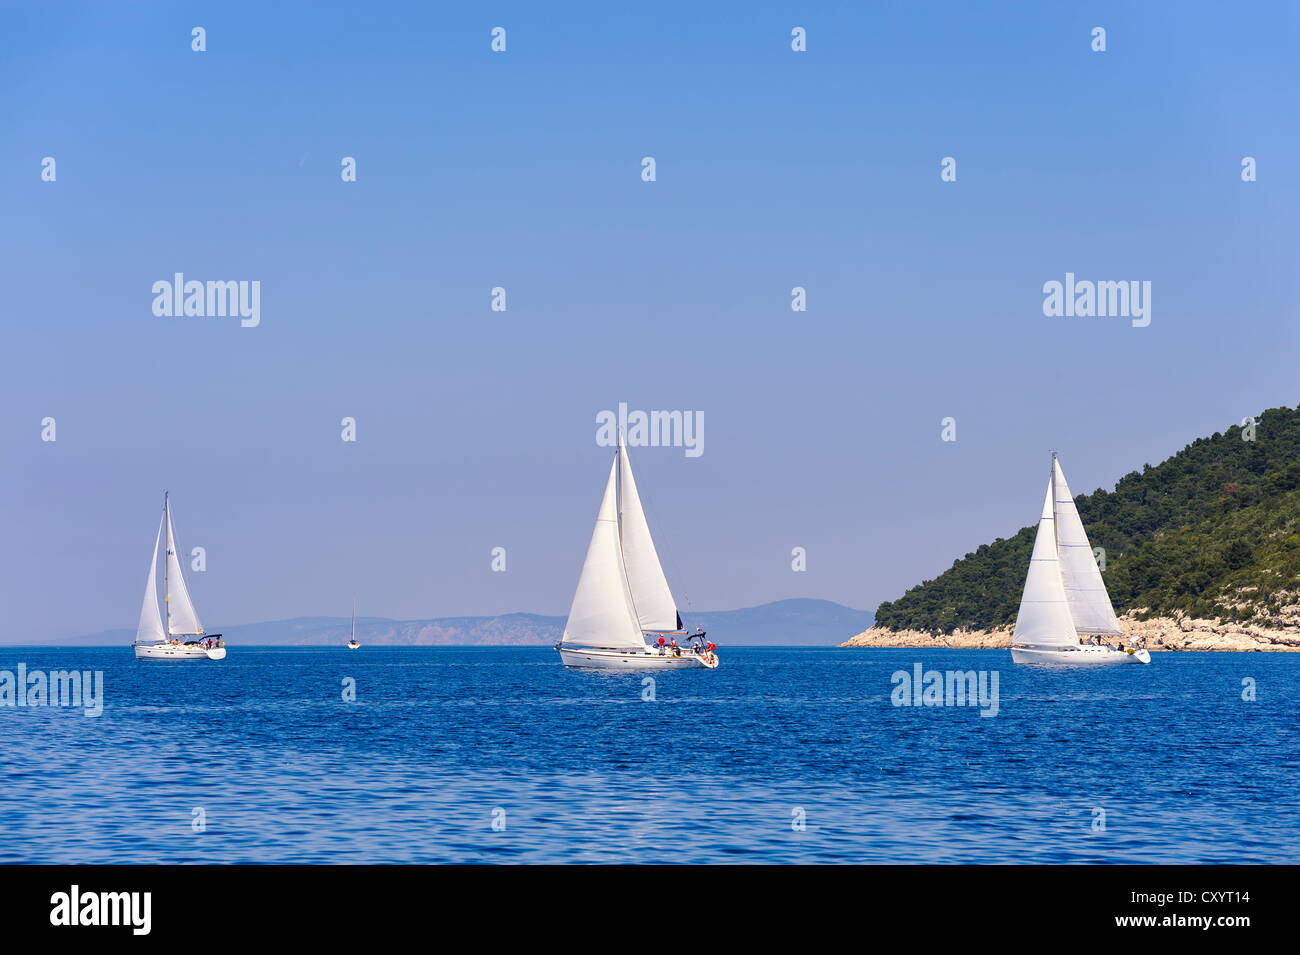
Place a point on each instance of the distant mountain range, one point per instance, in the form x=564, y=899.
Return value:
x=797, y=622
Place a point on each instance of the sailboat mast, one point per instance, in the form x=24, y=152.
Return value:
x=618, y=487
x=167, y=518
x=1056, y=540
x=620, y=461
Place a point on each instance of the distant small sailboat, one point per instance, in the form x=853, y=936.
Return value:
x=153, y=640
x=622, y=593
x=353, y=644
x=1064, y=595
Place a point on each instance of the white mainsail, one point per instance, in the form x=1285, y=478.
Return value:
x=655, y=607
x=1090, y=606
x=182, y=619
x=602, y=614
x=1044, y=617
x=151, y=625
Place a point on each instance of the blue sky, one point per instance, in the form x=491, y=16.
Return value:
x=522, y=169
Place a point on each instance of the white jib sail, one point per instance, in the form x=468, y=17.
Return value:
x=655, y=607
x=151, y=625
x=601, y=615
x=182, y=619
x=1090, y=606
x=1044, y=617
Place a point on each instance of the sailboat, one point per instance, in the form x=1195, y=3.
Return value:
x=154, y=641
x=353, y=644
x=1064, y=596
x=622, y=593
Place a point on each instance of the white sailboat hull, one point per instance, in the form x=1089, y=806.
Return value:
x=1081, y=655
x=354, y=645
x=636, y=659
x=173, y=651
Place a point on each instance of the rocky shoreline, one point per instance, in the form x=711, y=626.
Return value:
x=1159, y=633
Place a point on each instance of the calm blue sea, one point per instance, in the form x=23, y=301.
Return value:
x=574, y=766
